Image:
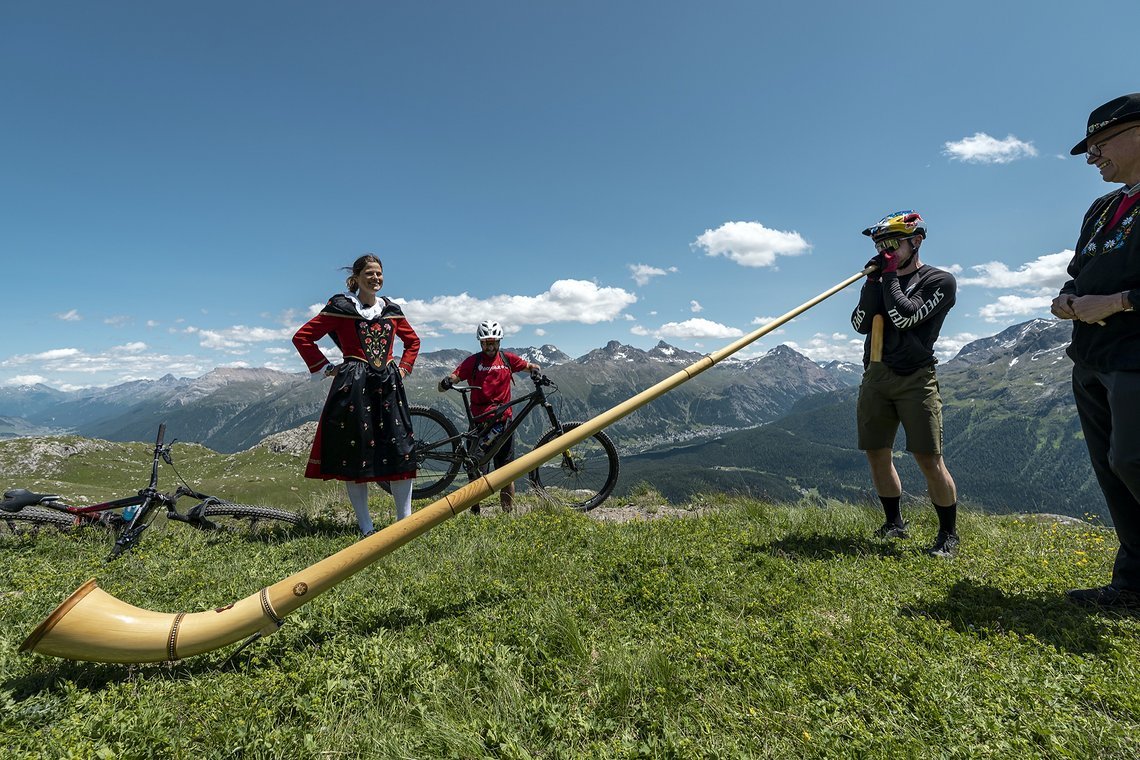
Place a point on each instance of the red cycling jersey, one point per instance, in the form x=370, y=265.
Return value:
x=493, y=376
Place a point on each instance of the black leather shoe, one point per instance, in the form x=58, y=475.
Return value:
x=1105, y=597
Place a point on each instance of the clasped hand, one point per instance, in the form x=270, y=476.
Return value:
x=1088, y=309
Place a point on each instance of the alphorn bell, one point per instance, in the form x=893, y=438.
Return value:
x=93, y=625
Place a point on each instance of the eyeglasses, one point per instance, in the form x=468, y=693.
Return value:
x=889, y=244
x=1093, y=149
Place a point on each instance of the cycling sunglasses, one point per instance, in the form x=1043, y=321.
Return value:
x=890, y=244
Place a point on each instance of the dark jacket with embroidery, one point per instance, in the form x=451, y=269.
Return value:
x=914, y=307
x=1107, y=261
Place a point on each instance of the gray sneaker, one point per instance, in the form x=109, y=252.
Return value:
x=893, y=530
x=945, y=545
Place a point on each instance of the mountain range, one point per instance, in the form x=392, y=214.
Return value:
x=1012, y=440
x=778, y=425
x=233, y=409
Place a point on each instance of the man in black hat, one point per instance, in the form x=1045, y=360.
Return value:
x=1105, y=349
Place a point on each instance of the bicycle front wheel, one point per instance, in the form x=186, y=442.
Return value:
x=435, y=450
x=582, y=476
x=32, y=519
x=226, y=514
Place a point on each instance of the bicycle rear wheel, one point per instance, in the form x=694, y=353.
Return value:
x=435, y=450
x=33, y=519
x=227, y=514
x=582, y=476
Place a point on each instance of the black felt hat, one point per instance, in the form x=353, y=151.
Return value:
x=1122, y=109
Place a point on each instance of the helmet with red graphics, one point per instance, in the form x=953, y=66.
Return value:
x=900, y=224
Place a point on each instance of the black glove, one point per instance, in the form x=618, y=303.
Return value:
x=876, y=262
x=445, y=384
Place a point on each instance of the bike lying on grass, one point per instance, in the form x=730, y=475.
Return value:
x=21, y=507
x=581, y=478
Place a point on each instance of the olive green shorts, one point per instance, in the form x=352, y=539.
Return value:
x=886, y=399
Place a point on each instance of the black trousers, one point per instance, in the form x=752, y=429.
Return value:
x=1109, y=407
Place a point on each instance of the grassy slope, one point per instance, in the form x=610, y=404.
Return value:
x=756, y=630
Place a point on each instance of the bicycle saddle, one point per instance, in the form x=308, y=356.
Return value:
x=18, y=498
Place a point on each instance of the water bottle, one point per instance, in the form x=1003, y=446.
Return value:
x=488, y=439
x=130, y=511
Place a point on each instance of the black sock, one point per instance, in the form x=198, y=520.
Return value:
x=947, y=517
x=891, y=507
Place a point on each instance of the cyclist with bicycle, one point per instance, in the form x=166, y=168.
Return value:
x=492, y=372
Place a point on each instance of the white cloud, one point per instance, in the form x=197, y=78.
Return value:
x=696, y=328
x=239, y=338
x=116, y=365
x=25, y=380
x=834, y=347
x=117, y=321
x=983, y=149
x=152, y=323
x=641, y=273
x=72, y=315
x=1015, y=306
x=639, y=330
x=45, y=356
x=131, y=348
x=1043, y=273
x=578, y=301
x=695, y=307
x=751, y=244
x=763, y=320
x=1033, y=285
x=948, y=346
x=539, y=332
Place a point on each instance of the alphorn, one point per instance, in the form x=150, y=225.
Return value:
x=877, y=338
x=95, y=626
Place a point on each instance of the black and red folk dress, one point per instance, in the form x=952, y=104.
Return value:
x=365, y=431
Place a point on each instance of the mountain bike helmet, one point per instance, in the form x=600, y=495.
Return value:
x=898, y=224
x=489, y=329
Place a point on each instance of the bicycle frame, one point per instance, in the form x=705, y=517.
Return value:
x=478, y=426
x=102, y=512
x=148, y=501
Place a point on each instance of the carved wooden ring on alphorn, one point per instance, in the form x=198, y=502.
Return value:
x=92, y=625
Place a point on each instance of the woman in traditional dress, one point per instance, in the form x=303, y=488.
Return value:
x=365, y=433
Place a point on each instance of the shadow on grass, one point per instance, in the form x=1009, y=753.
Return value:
x=984, y=611
x=272, y=533
x=819, y=546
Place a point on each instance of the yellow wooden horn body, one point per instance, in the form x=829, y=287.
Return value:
x=92, y=625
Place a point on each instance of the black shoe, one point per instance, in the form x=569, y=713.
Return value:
x=367, y=533
x=893, y=530
x=945, y=545
x=475, y=509
x=1105, y=597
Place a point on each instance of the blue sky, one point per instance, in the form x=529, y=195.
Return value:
x=182, y=181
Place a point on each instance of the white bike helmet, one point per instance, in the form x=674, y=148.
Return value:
x=489, y=329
